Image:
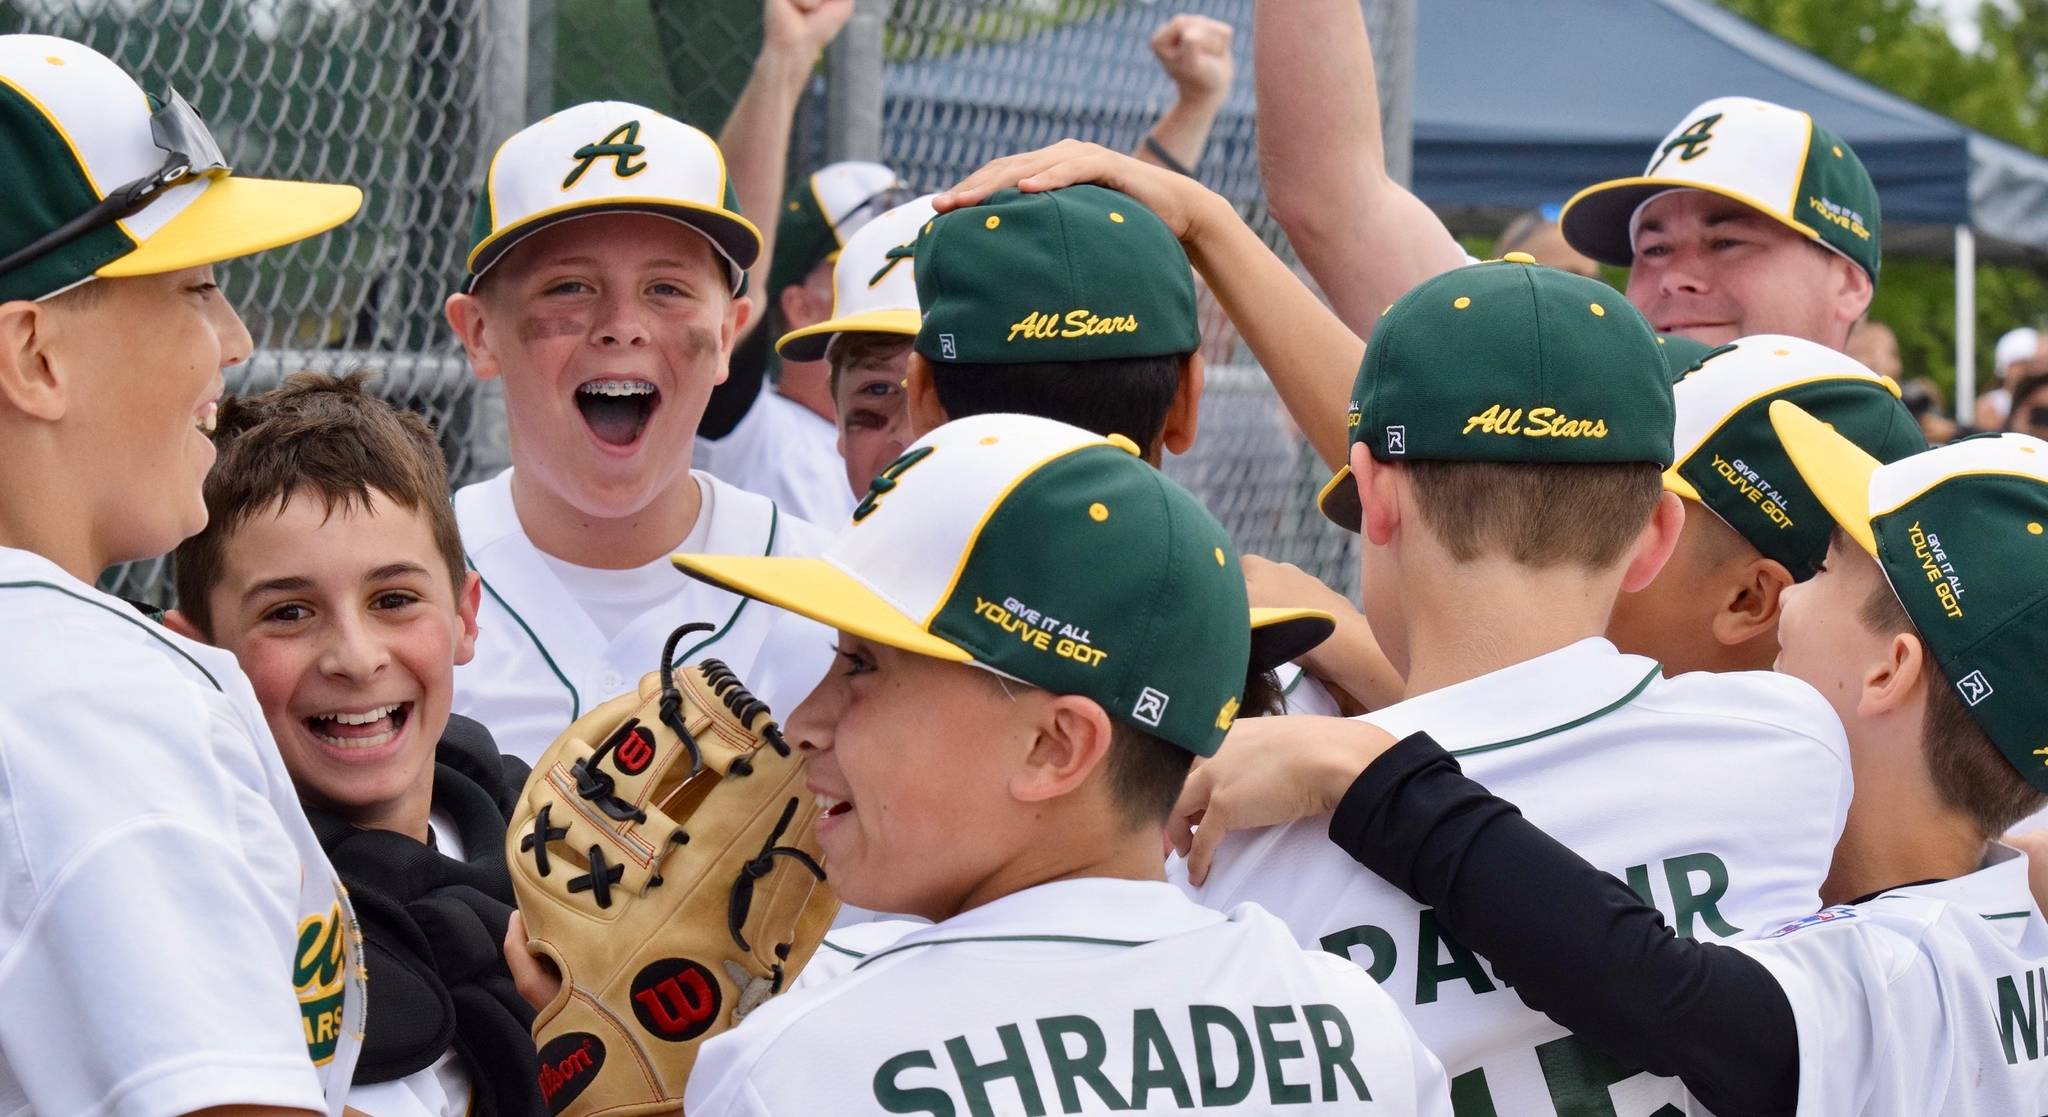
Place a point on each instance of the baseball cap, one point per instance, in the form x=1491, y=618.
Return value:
x=609, y=157
x=873, y=292
x=1079, y=274
x=105, y=180
x=1731, y=460
x=1507, y=361
x=1770, y=158
x=1046, y=554
x=1961, y=532
x=1681, y=354
x=823, y=212
x=2015, y=346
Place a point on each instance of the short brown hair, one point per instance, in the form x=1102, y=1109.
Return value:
x=323, y=435
x=1539, y=515
x=1969, y=772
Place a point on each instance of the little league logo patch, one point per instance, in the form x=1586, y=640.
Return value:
x=1150, y=707
x=1834, y=914
x=1974, y=687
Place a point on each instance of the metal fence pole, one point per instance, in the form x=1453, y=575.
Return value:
x=1393, y=56
x=502, y=104
x=853, y=86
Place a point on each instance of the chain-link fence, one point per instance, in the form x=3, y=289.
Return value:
x=407, y=98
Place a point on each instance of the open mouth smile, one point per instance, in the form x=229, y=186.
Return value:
x=617, y=410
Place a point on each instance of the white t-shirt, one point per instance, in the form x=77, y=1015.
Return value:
x=787, y=453
x=614, y=599
x=1079, y=996
x=1925, y=1000
x=1718, y=797
x=542, y=662
x=171, y=935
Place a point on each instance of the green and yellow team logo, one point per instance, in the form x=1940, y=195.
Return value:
x=621, y=145
x=319, y=973
x=1691, y=143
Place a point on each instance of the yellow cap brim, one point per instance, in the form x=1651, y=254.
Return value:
x=1338, y=500
x=810, y=343
x=236, y=217
x=1284, y=635
x=816, y=589
x=1673, y=483
x=1836, y=469
x=1595, y=222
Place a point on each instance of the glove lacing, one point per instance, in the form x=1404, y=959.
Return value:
x=760, y=866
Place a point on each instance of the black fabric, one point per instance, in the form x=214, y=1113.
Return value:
x=1575, y=943
x=731, y=400
x=432, y=929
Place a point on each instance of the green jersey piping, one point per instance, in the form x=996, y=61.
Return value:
x=774, y=522
x=1656, y=670
x=134, y=620
x=575, y=700
x=1004, y=938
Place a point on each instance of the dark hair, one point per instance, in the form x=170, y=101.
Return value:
x=1129, y=396
x=1146, y=775
x=1538, y=515
x=1969, y=772
x=2026, y=386
x=321, y=435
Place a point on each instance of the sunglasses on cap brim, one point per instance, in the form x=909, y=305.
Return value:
x=191, y=152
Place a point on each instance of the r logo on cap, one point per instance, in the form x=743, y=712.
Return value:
x=620, y=146
x=1975, y=687
x=1397, y=440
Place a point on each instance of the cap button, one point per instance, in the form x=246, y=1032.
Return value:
x=1125, y=444
x=1519, y=258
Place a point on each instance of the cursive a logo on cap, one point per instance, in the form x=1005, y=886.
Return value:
x=1040, y=325
x=621, y=145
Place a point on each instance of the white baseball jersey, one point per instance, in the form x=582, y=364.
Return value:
x=172, y=938
x=1079, y=996
x=1925, y=1000
x=1718, y=798
x=787, y=453
x=1303, y=693
x=541, y=663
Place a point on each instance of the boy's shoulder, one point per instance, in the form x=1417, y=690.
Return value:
x=742, y=521
x=1762, y=698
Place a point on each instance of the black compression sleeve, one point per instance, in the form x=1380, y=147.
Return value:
x=1575, y=943
x=729, y=401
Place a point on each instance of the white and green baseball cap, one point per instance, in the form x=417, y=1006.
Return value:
x=609, y=157
x=104, y=180
x=1961, y=533
x=1775, y=160
x=822, y=213
x=1730, y=459
x=874, y=287
x=1050, y=555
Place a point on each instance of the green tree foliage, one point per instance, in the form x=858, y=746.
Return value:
x=1999, y=88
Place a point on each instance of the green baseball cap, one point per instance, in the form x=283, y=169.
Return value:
x=1961, y=533
x=1682, y=354
x=1507, y=361
x=1775, y=160
x=872, y=291
x=1080, y=274
x=609, y=157
x=1731, y=460
x=823, y=212
x=1046, y=554
x=103, y=180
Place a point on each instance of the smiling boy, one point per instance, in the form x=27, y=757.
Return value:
x=1008, y=728
x=172, y=939
x=330, y=566
x=603, y=290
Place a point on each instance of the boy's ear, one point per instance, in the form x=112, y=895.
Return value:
x=465, y=313
x=1759, y=600
x=1184, y=417
x=179, y=623
x=926, y=412
x=1899, y=680
x=28, y=382
x=467, y=600
x=1658, y=540
x=1073, y=739
x=1379, y=501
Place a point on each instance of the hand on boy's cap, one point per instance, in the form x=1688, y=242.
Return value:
x=1171, y=196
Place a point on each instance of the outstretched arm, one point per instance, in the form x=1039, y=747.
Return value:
x=1322, y=158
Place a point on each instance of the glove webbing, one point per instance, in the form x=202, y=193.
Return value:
x=761, y=865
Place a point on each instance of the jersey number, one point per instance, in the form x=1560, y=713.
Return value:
x=1576, y=1076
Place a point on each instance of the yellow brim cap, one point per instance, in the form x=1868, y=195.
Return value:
x=236, y=217
x=810, y=343
x=1598, y=221
x=1673, y=483
x=1338, y=501
x=823, y=592
x=1836, y=469
x=1284, y=635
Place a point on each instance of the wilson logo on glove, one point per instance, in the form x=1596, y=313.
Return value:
x=568, y=1064
x=633, y=747
x=676, y=999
